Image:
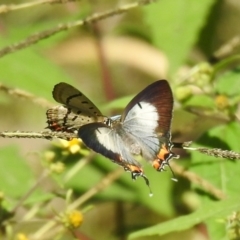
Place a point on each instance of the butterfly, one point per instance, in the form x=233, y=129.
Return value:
x=142, y=129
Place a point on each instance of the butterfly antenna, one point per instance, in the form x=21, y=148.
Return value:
x=148, y=184
x=181, y=145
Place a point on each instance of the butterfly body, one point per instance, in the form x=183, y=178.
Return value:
x=143, y=128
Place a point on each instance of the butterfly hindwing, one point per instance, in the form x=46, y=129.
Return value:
x=74, y=99
x=106, y=141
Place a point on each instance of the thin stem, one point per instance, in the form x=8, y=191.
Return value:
x=106, y=74
x=216, y=152
x=35, y=38
x=194, y=178
x=13, y=7
x=104, y=183
x=225, y=63
x=40, y=232
x=49, y=135
x=227, y=48
x=44, y=175
x=19, y=93
x=79, y=165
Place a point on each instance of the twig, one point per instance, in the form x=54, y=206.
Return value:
x=194, y=178
x=25, y=95
x=12, y=7
x=31, y=190
x=35, y=38
x=105, y=70
x=49, y=135
x=104, y=183
x=79, y=165
x=227, y=48
x=216, y=152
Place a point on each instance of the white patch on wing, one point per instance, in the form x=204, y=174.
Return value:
x=111, y=140
x=106, y=138
x=142, y=116
x=140, y=126
x=141, y=121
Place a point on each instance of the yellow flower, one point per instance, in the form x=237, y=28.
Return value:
x=221, y=102
x=233, y=225
x=21, y=236
x=49, y=156
x=74, y=219
x=57, y=167
x=72, y=146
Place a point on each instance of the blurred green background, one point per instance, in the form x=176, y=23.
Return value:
x=110, y=61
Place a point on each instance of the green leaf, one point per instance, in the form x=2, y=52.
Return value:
x=16, y=175
x=96, y=171
x=200, y=101
x=228, y=83
x=119, y=103
x=217, y=228
x=222, y=173
x=176, y=25
x=124, y=188
x=228, y=133
x=214, y=210
x=30, y=71
x=161, y=186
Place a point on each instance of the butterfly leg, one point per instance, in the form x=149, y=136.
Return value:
x=138, y=172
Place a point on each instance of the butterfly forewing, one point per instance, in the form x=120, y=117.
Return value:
x=148, y=118
x=77, y=111
x=152, y=108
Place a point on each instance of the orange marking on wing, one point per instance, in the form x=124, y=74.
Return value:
x=162, y=152
x=156, y=164
x=55, y=126
x=161, y=156
x=135, y=169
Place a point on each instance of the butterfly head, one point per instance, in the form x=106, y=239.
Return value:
x=111, y=121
